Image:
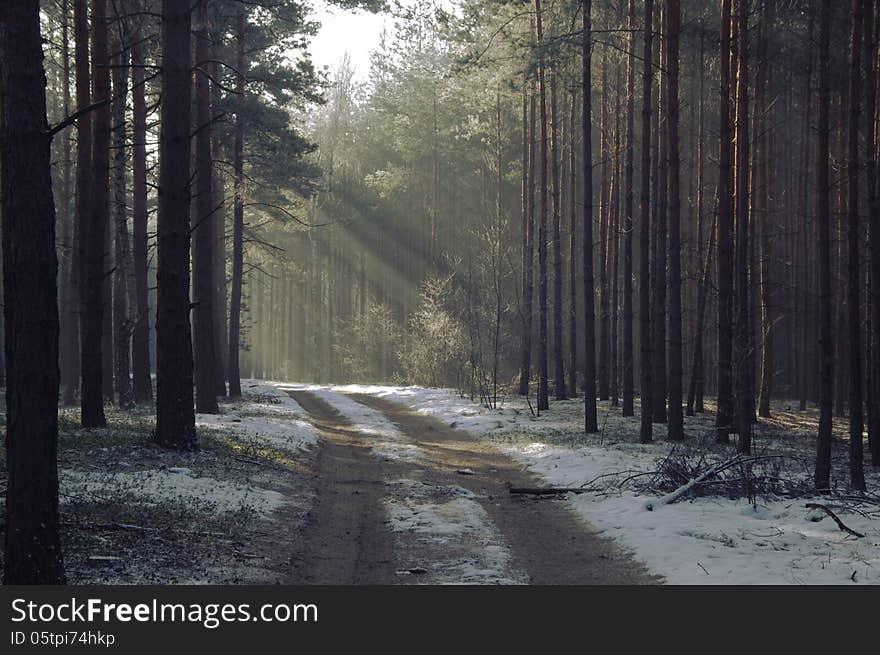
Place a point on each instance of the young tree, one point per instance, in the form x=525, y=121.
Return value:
x=32, y=550
x=175, y=417
x=646, y=390
x=591, y=423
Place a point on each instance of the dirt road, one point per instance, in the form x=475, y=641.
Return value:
x=440, y=513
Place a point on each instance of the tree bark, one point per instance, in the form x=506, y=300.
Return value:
x=175, y=418
x=873, y=339
x=658, y=265
x=32, y=550
x=528, y=232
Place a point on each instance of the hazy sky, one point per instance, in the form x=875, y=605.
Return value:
x=355, y=32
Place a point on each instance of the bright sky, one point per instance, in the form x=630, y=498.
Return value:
x=355, y=32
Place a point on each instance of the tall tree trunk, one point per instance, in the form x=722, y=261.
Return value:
x=823, y=218
x=572, y=250
x=558, y=355
x=140, y=343
x=873, y=340
x=95, y=228
x=854, y=326
x=591, y=423
x=762, y=88
x=121, y=322
x=221, y=339
x=32, y=547
x=697, y=380
x=70, y=261
x=614, y=255
x=528, y=232
x=543, y=401
x=604, y=232
x=724, y=417
x=175, y=418
x=676, y=421
x=628, y=382
x=203, y=227
x=646, y=388
x=743, y=373
x=238, y=220
x=659, y=263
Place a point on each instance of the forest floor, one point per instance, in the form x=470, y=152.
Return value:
x=303, y=484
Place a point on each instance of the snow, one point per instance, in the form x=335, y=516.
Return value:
x=387, y=442
x=707, y=540
x=449, y=520
x=175, y=485
x=271, y=419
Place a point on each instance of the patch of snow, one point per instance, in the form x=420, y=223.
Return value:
x=176, y=485
x=450, y=519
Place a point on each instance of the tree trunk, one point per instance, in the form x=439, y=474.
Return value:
x=70, y=261
x=238, y=222
x=94, y=230
x=658, y=265
x=175, y=419
x=854, y=326
x=543, y=401
x=591, y=423
x=724, y=417
x=558, y=355
x=676, y=420
x=203, y=228
x=823, y=218
x=32, y=547
x=221, y=344
x=628, y=382
x=604, y=233
x=121, y=322
x=873, y=340
x=572, y=251
x=140, y=344
x=528, y=232
x=646, y=388
x=743, y=373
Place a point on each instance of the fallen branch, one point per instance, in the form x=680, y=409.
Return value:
x=683, y=489
x=550, y=491
x=840, y=523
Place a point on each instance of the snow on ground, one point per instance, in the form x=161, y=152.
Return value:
x=449, y=520
x=268, y=418
x=174, y=485
x=707, y=540
x=387, y=441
